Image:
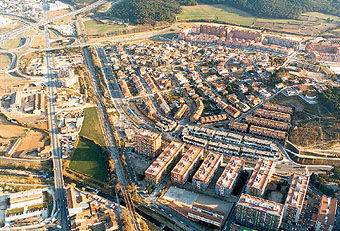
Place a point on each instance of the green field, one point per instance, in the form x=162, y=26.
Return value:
x=94, y=28
x=89, y=159
x=322, y=16
x=221, y=13
x=91, y=128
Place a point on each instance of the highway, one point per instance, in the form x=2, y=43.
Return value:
x=14, y=33
x=60, y=193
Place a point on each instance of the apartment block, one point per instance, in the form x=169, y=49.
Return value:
x=267, y=132
x=125, y=88
x=198, y=112
x=148, y=143
x=185, y=166
x=205, y=173
x=214, y=118
x=277, y=107
x=260, y=177
x=159, y=168
x=296, y=197
x=267, y=123
x=272, y=115
x=258, y=213
x=241, y=127
x=25, y=198
x=327, y=214
x=181, y=112
x=227, y=180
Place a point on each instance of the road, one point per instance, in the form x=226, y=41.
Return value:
x=60, y=192
x=14, y=33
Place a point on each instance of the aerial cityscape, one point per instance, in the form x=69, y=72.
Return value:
x=150, y=115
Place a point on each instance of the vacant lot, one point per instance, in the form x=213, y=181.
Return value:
x=89, y=159
x=102, y=27
x=12, y=43
x=221, y=13
x=31, y=141
x=53, y=14
x=91, y=128
x=9, y=130
x=38, y=42
x=5, y=61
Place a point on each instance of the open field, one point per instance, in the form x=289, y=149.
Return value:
x=56, y=13
x=9, y=130
x=14, y=25
x=91, y=128
x=93, y=27
x=308, y=24
x=221, y=13
x=12, y=43
x=31, y=141
x=5, y=61
x=8, y=81
x=38, y=42
x=89, y=159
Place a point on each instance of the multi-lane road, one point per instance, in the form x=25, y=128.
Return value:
x=45, y=21
x=60, y=193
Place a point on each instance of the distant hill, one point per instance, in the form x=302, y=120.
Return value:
x=147, y=11
x=281, y=8
x=151, y=11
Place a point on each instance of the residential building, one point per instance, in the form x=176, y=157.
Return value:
x=258, y=213
x=225, y=184
x=260, y=177
x=148, y=142
x=158, y=169
x=295, y=198
x=205, y=173
x=327, y=214
x=185, y=166
x=267, y=132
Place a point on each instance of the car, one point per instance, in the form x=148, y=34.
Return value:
x=170, y=215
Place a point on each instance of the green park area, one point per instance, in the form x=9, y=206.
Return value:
x=103, y=27
x=89, y=158
x=91, y=128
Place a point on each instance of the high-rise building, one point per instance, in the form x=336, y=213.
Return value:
x=259, y=213
x=184, y=167
x=295, y=198
x=226, y=182
x=260, y=177
x=327, y=214
x=148, y=143
x=158, y=169
x=205, y=173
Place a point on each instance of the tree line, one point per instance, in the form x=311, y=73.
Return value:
x=152, y=11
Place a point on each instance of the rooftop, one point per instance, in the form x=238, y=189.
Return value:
x=230, y=172
x=297, y=190
x=260, y=174
x=327, y=211
x=164, y=158
x=261, y=204
x=207, y=168
x=187, y=160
